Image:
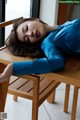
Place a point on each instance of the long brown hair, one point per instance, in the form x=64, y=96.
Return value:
x=18, y=48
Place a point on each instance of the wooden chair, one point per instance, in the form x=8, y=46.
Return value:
x=34, y=87
x=74, y=103
x=38, y=87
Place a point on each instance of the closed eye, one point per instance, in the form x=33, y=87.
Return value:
x=24, y=28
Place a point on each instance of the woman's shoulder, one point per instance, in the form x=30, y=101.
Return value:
x=67, y=23
x=49, y=37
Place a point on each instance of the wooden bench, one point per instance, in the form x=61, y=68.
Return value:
x=71, y=76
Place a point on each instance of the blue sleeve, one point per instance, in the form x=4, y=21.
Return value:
x=64, y=25
x=52, y=62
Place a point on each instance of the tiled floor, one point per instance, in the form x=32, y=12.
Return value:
x=21, y=110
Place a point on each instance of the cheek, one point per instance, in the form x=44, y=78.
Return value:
x=43, y=31
x=19, y=33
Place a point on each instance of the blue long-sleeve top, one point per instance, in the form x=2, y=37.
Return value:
x=66, y=38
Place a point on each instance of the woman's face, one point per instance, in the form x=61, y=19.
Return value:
x=31, y=31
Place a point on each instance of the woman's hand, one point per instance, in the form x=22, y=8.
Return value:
x=8, y=71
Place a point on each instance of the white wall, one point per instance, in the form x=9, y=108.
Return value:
x=48, y=11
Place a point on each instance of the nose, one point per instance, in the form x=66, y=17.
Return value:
x=30, y=33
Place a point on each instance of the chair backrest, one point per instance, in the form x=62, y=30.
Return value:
x=6, y=23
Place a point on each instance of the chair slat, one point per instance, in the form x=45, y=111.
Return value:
x=20, y=93
x=43, y=85
x=27, y=87
x=19, y=82
x=6, y=23
x=12, y=79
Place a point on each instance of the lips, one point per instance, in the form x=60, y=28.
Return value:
x=37, y=34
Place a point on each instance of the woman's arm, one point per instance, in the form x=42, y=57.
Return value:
x=51, y=63
x=8, y=71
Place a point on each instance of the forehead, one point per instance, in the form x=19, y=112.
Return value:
x=19, y=31
x=23, y=24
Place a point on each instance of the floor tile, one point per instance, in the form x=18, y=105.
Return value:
x=21, y=110
x=56, y=110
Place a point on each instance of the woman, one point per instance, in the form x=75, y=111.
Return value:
x=32, y=37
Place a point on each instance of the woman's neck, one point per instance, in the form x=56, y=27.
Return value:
x=50, y=28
